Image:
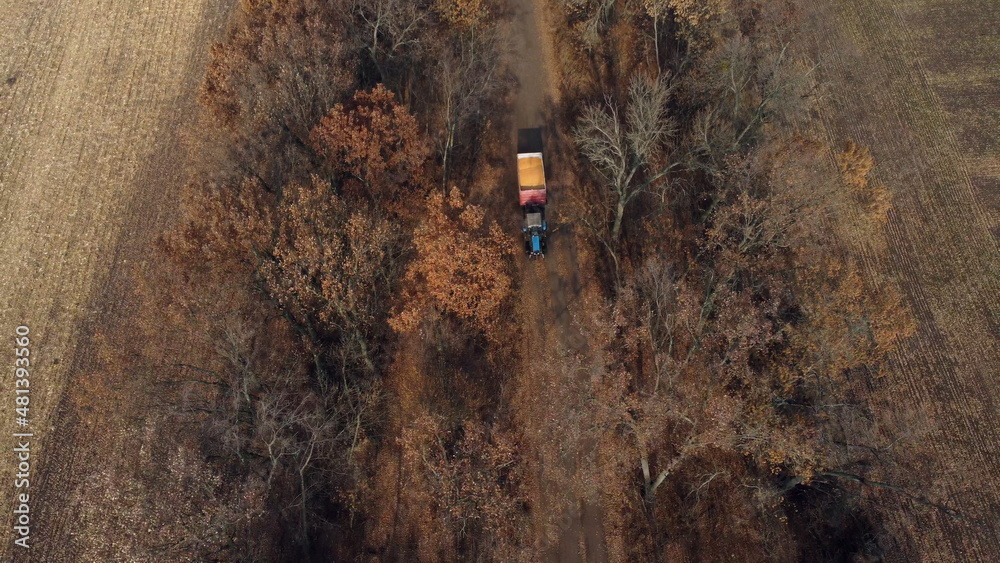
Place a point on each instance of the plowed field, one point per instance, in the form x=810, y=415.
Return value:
x=918, y=81
x=92, y=98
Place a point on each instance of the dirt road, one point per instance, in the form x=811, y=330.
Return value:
x=553, y=382
x=915, y=81
x=92, y=97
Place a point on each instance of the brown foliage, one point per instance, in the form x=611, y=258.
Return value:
x=463, y=14
x=698, y=20
x=471, y=473
x=793, y=320
x=280, y=69
x=462, y=267
x=176, y=508
x=264, y=335
x=856, y=163
x=332, y=268
x=737, y=360
x=276, y=38
x=230, y=226
x=375, y=142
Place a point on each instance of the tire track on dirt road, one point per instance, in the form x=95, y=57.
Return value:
x=555, y=354
x=91, y=97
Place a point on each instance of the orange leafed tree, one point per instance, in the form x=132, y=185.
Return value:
x=462, y=14
x=855, y=164
x=374, y=142
x=462, y=267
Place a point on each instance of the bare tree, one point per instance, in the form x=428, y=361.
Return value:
x=626, y=145
x=391, y=33
x=469, y=76
x=748, y=85
x=594, y=16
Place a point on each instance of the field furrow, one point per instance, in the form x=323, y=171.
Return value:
x=941, y=242
x=92, y=96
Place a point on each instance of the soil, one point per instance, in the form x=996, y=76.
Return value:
x=92, y=102
x=916, y=81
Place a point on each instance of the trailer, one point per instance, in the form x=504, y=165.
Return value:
x=532, y=194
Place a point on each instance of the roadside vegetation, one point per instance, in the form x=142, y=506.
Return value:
x=322, y=357
x=742, y=393
x=327, y=283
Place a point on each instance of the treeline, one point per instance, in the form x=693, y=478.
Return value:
x=326, y=268
x=741, y=395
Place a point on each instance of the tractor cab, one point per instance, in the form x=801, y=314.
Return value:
x=535, y=230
